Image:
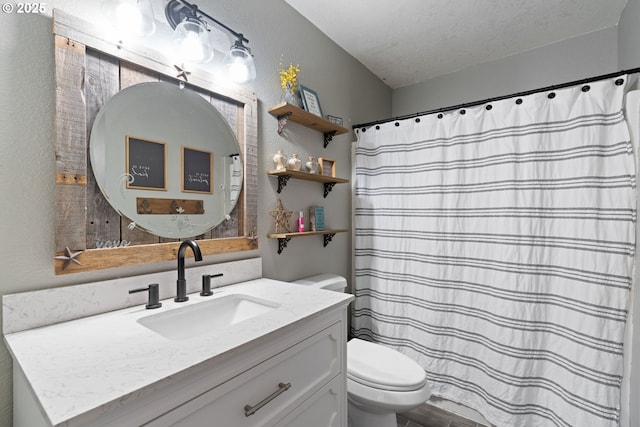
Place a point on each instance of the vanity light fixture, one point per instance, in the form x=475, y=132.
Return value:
x=192, y=33
x=131, y=17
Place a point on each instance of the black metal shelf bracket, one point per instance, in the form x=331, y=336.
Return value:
x=328, y=186
x=328, y=136
x=327, y=238
x=282, y=121
x=282, y=243
x=282, y=182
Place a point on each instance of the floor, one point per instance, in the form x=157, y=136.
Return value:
x=432, y=416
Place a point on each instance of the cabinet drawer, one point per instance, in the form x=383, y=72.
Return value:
x=327, y=408
x=265, y=393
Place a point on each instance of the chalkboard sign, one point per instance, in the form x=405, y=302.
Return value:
x=146, y=164
x=197, y=171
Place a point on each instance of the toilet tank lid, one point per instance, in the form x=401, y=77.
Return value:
x=378, y=366
x=328, y=281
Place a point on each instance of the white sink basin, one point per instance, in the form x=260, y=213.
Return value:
x=192, y=320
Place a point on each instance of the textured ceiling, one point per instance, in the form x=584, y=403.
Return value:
x=409, y=41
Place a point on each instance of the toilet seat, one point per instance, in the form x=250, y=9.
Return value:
x=369, y=364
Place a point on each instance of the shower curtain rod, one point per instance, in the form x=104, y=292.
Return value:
x=499, y=98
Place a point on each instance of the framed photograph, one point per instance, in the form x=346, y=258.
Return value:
x=310, y=101
x=146, y=164
x=326, y=167
x=335, y=120
x=197, y=171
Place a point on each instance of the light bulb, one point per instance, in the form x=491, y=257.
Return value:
x=193, y=42
x=238, y=71
x=241, y=68
x=132, y=17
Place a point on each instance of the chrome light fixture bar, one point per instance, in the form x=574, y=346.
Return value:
x=192, y=33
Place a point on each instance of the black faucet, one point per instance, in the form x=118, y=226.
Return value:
x=181, y=293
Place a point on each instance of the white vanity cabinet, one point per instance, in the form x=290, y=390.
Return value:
x=283, y=368
x=308, y=375
x=327, y=408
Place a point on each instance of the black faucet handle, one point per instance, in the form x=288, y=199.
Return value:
x=154, y=295
x=206, y=284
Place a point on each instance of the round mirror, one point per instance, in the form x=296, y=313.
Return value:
x=166, y=159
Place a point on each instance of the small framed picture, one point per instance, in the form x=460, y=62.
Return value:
x=197, y=171
x=146, y=164
x=335, y=120
x=316, y=218
x=310, y=101
x=326, y=167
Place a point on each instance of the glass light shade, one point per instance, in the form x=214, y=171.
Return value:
x=241, y=68
x=193, y=41
x=132, y=17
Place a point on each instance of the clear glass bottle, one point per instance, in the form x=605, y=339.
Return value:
x=312, y=165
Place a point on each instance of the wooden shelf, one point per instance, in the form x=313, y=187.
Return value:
x=284, y=175
x=283, y=238
x=307, y=176
x=304, y=233
x=285, y=112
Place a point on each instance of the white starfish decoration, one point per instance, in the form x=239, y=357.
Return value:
x=69, y=257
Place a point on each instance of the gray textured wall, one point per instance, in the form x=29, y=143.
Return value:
x=572, y=59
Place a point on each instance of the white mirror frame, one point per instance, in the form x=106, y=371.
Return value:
x=72, y=37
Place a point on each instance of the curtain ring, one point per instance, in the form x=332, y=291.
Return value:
x=417, y=119
x=440, y=116
x=397, y=124
x=377, y=127
x=551, y=95
x=364, y=129
x=518, y=101
x=463, y=111
x=619, y=82
x=586, y=88
x=488, y=107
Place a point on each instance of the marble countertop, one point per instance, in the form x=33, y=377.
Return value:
x=81, y=365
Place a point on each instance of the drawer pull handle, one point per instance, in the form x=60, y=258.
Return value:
x=250, y=410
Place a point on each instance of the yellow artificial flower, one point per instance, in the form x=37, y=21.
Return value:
x=289, y=77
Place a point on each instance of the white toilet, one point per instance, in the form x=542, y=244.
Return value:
x=380, y=380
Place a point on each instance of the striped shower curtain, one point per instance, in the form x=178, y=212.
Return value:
x=495, y=247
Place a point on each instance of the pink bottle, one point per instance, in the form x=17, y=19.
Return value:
x=300, y=222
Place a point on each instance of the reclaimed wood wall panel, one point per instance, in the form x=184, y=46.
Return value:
x=70, y=140
x=130, y=75
x=102, y=82
x=248, y=121
x=99, y=259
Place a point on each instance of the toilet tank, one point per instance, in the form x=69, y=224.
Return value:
x=328, y=281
